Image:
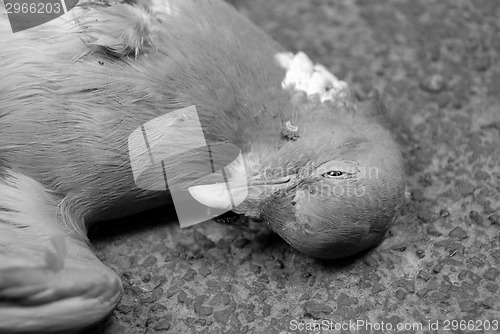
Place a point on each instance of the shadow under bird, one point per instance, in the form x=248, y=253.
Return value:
x=321, y=167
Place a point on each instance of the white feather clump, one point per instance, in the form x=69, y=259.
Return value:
x=313, y=79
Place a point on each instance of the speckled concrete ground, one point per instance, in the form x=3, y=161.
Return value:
x=437, y=66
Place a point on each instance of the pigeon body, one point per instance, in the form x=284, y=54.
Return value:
x=325, y=175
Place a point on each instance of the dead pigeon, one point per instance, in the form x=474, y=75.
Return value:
x=321, y=169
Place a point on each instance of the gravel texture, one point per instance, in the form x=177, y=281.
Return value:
x=436, y=64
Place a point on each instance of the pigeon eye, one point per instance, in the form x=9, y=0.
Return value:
x=337, y=170
x=333, y=174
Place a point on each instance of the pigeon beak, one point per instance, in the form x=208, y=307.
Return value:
x=228, y=195
x=237, y=192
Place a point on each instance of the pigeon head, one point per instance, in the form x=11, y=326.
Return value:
x=336, y=189
x=330, y=185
